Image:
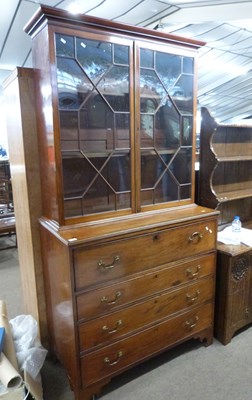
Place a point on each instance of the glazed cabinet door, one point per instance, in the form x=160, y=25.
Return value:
x=94, y=81
x=166, y=107
x=125, y=113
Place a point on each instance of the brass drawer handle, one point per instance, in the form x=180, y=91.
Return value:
x=192, y=274
x=111, y=363
x=105, y=267
x=106, y=329
x=111, y=302
x=192, y=323
x=193, y=297
x=195, y=237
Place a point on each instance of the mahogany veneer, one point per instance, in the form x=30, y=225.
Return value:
x=128, y=258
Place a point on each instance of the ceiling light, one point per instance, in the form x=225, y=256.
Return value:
x=75, y=7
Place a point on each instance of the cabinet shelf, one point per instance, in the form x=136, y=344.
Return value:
x=235, y=195
x=225, y=176
x=225, y=184
x=234, y=158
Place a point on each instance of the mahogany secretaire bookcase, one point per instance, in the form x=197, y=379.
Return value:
x=128, y=257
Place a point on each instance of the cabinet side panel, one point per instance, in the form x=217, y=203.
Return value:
x=60, y=312
x=46, y=130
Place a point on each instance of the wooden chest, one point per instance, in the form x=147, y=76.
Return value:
x=119, y=299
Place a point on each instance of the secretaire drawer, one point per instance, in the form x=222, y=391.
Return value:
x=124, y=257
x=113, y=326
x=105, y=299
x=115, y=357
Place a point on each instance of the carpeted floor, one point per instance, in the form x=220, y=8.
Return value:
x=187, y=372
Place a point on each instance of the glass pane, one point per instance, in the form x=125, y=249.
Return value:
x=121, y=54
x=146, y=58
x=115, y=88
x=151, y=169
x=69, y=125
x=74, y=179
x=183, y=97
x=64, y=45
x=151, y=91
x=117, y=173
x=186, y=192
x=123, y=201
x=73, y=86
x=122, y=140
x=95, y=114
x=69, y=145
x=147, y=197
x=94, y=56
x=168, y=121
x=188, y=65
x=181, y=166
x=187, y=131
x=168, y=67
x=99, y=197
x=167, y=189
x=73, y=207
x=147, y=130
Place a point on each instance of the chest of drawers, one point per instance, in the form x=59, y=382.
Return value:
x=119, y=298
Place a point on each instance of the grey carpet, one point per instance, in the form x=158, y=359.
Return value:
x=187, y=372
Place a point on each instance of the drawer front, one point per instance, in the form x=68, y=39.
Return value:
x=110, y=327
x=116, y=357
x=124, y=257
x=97, y=302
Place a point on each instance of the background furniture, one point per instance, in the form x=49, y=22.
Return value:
x=8, y=227
x=233, y=290
x=6, y=199
x=19, y=96
x=225, y=184
x=128, y=258
x=7, y=218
